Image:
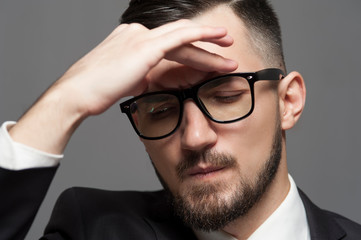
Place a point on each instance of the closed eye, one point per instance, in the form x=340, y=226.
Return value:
x=162, y=111
x=228, y=97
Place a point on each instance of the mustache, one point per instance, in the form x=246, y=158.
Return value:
x=213, y=158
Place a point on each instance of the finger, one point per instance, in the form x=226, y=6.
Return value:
x=184, y=28
x=200, y=59
x=175, y=39
x=222, y=40
x=225, y=41
x=169, y=27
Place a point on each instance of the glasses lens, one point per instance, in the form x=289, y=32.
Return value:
x=226, y=99
x=155, y=115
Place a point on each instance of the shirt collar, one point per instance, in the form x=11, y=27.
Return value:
x=288, y=221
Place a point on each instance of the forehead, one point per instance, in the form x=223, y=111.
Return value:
x=172, y=75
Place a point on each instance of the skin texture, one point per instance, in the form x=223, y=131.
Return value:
x=249, y=141
x=116, y=68
x=176, y=55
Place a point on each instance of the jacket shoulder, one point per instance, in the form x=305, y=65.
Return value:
x=81, y=212
x=325, y=224
x=352, y=229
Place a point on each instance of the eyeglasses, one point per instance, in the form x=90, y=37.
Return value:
x=223, y=99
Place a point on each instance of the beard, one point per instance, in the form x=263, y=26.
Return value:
x=209, y=206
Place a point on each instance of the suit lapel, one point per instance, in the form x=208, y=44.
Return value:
x=321, y=224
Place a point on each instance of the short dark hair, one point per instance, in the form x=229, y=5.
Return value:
x=258, y=15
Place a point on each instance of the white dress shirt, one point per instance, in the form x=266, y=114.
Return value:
x=287, y=222
x=16, y=156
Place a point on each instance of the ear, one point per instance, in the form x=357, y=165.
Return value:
x=292, y=97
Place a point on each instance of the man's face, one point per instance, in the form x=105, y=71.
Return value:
x=210, y=167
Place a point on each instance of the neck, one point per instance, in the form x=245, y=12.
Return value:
x=244, y=226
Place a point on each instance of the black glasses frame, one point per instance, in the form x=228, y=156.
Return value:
x=192, y=92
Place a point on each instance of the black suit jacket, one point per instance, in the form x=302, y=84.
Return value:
x=84, y=213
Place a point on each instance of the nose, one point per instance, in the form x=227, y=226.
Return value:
x=197, y=131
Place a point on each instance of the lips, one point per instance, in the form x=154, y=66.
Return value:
x=203, y=171
x=204, y=165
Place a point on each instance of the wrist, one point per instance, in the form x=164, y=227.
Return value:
x=50, y=122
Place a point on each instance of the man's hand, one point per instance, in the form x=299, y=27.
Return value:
x=116, y=68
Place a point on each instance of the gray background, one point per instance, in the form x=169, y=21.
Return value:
x=39, y=39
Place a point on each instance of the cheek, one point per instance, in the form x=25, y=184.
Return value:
x=165, y=155
x=250, y=140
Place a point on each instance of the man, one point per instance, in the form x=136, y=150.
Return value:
x=213, y=103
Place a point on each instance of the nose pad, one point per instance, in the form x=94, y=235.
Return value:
x=196, y=129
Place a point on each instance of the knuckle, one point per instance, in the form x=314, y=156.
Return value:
x=136, y=27
x=184, y=21
x=118, y=29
